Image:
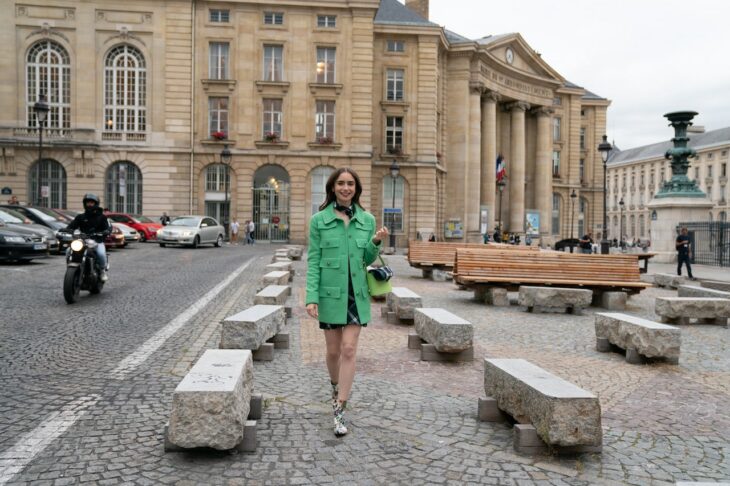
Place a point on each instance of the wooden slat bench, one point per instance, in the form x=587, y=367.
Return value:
x=430, y=255
x=510, y=269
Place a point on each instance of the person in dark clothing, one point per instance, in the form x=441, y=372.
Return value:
x=684, y=253
x=497, y=237
x=586, y=244
x=164, y=219
x=94, y=223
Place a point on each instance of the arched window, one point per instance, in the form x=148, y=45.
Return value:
x=48, y=184
x=319, y=181
x=582, y=211
x=633, y=226
x=393, y=209
x=124, y=188
x=49, y=74
x=125, y=88
x=642, y=226
x=556, y=214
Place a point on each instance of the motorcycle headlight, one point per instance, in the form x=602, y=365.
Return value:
x=77, y=245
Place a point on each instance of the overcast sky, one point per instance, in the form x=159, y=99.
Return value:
x=625, y=50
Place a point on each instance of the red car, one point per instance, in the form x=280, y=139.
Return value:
x=115, y=239
x=146, y=228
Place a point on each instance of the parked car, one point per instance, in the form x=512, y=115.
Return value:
x=115, y=239
x=146, y=228
x=17, y=222
x=45, y=217
x=15, y=246
x=67, y=213
x=130, y=234
x=192, y=231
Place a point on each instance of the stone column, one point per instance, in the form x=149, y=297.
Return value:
x=473, y=172
x=516, y=168
x=543, y=164
x=489, y=155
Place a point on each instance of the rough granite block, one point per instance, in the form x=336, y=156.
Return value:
x=251, y=328
x=614, y=300
x=272, y=295
x=648, y=338
x=447, y=332
x=402, y=301
x=276, y=278
x=669, y=280
x=555, y=298
x=683, y=308
x=695, y=291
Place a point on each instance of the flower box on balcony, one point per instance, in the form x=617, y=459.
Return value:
x=276, y=144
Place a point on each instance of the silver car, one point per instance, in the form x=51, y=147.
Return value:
x=130, y=234
x=191, y=231
x=17, y=221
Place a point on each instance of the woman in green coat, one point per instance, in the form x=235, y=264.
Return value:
x=343, y=240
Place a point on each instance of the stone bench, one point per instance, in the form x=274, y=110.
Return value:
x=274, y=295
x=214, y=405
x=679, y=310
x=716, y=284
x=400, y=303
x=281, y=266
x=252, y=328
x=442, y=336
x=549, y=410
x=295, y=252
x=639, y=337
x=554, y=298
x=277, y=277
x=695, y=291
x=496, y=296
x=669, y=280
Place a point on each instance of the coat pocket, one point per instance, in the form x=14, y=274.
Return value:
x=330, y=243
x=329, y=263
x=362, y=243
x=329, y=292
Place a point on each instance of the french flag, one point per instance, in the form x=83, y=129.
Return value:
x=501, y=168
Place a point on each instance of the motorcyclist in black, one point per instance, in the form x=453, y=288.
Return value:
x=93, y=221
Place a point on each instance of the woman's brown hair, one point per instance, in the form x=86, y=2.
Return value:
x=330, y=187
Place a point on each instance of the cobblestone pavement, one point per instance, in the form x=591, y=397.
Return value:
x=411, y=422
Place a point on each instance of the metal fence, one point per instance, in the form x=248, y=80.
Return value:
x=710, y=242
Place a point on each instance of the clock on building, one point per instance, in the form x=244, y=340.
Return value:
x=509, y=55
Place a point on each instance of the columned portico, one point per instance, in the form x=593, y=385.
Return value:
x=516, y=178
x=489, y=155
x=543, y=176
x=474, y=165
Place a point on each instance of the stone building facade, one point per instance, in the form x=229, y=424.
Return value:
x=635, y=176
x=144, y=99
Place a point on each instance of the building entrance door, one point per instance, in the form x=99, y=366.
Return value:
x=271, y=204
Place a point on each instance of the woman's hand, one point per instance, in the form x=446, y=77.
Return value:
x=313, y=310
x=380, y=235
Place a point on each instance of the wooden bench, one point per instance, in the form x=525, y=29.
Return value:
x=645, y=257
x=638, y=337
x=400, y=304
x=214, y=405
x=442, y=336
x=431, y=255
x=548, y=410
x=679, y=310
x=510, y=269
x=258, y=328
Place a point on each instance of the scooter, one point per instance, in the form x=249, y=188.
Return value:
x=82, y=267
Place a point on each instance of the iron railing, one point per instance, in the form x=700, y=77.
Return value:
x=710, y=242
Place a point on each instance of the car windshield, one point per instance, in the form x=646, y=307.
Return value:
x=185, y=222
x=9, y=218
x=44, y=214
x=141, y=219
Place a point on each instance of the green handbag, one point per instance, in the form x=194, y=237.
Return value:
x=379, y=279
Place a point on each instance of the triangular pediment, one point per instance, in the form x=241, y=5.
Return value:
x=512, y=51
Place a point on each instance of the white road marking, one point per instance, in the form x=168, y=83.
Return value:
x=14, y=460
x=131, y=362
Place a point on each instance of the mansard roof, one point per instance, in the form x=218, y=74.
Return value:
x=395, y=13
x=657, y=150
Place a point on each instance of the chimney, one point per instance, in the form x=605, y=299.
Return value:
x=419, y=6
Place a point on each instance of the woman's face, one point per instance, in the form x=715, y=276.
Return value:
x=345, y=188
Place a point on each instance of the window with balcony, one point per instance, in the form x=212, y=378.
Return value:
x=273, y=63
x=272, y=122
x=393, y=213
x=273, y=18
x=218, y=60
x=324, y=122
x=394, y=134
x=125, y=92
x=217, y=115
x=326, y=21
x=394, y=84
x=48, y=73
x=325, y=66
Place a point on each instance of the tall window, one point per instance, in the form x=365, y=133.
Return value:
x=393, y=213
x=633, y=226
x=48, y=184
x=125, y=90
x=582, y=138
x=215, y=178
x=319, y=182
x=582, y=210
x=556, y=129
x=273, y=18
x=642, y=226
x=556, y=214
x=49, y=74
x=556, y=163
x=272, y=118
x=218, y=114
x=394, y=134
x=218, y=60
x=124, y=188
x=582, y=170
x=220, y=16
x=324, y=121
x=273, y=63
x=325, y=64
x=327, y=21
x=394, y=84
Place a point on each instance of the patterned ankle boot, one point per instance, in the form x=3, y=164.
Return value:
x=340, y=428
x=335, y=393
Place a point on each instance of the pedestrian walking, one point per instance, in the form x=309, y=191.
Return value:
x=14, y=201
x=164, y=219
x=234, y=232
x=343, y=240
x=586, y=243
x=684, y=253
x=251, y=229
x=497, y=237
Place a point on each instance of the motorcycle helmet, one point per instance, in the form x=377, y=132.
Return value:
x=91, y=197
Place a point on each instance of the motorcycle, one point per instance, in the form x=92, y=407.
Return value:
x=82, y=268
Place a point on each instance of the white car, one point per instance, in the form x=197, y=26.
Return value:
x=191, y=231
x=130, y=234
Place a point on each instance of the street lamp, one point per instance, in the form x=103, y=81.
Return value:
x=394, y=170
x=41, y=110
x=621, y=223
x=573, y=195
x=225, y=160
x=605, y=148
x=500, y=186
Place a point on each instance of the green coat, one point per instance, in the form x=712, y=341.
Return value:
x=331, y=246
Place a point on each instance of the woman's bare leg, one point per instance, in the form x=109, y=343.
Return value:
x=333, y=339
x=349, y=338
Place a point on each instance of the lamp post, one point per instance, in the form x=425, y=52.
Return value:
x=41, y=110
x=225, y=160
x=573, y=195
x=394, y=170
x=605, y=148
x=500, y=186
x=621, y=224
